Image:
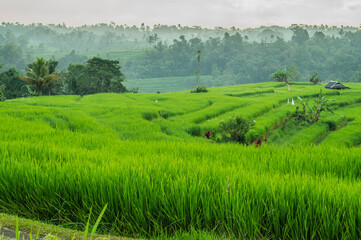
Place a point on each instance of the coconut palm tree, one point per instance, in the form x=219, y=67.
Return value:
x=281, y=76
x=37, y=75
x=285, y=75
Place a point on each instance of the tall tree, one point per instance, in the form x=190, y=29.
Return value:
x=38, y=74
x=198, y=72
x=105, y=75
x=300, y=35
x=76, y=80
x=12, y=86
x=286, y=75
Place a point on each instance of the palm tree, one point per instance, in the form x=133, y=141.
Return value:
x=37, y=74
x=285, y=75
x=198, y=72
x=281, y=76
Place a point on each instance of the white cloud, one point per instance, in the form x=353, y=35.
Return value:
x=239, y=13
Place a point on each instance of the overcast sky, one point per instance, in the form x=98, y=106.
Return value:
x=206, y=13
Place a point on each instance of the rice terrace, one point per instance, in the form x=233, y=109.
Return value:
x=192, y=119
x=145, y=157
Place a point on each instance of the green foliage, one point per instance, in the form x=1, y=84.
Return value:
x=332, y=125
x=280, y=76
x=233, y=56
x=252, y=93
x=105, y=75
x=286, y=75
x=13, y=86
x=134, y=90
x=199, y=89
x=314, y=113
x=320, y=105
x=195, y=130
x=96, y=76
x=300, y=114
x=41, y=74
x=62, y=155
x=75, y=80
x=300, y=35
x=150, y=115
x=29, y=93
x=164, y=114
x=167, y=84
x=232, y=61
x=315, y=78
x=235, y=130
x=71, y=58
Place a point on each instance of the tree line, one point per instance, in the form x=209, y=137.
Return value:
x=97, y=75
x=231, y=56
x=234, y=60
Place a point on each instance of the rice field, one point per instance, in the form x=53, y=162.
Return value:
x=61, y=156
x=169, y=84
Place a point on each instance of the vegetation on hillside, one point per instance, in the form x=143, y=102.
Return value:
x=285, y=75
x=96, y=76
x=168, y=181
x=41, y=74
x=231, y=56
x=169, y=164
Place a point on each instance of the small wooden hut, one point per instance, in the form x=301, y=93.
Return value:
x=335, y=85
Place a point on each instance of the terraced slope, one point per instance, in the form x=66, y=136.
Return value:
x=61, y=156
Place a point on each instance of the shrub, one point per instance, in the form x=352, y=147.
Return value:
x=199, y=89
x=320, y=105
x=315, y=79
x=253, y=135
x=235, y=130
x=31, y=93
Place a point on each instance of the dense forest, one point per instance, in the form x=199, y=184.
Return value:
x=230, y=56
x=233, y=58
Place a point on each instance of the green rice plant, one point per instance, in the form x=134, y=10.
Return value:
x=348, y=136
x=245, y=94
x=268, y=121
x=195, y=130
x=206, y=164
x=61, y=156
x=150, y=115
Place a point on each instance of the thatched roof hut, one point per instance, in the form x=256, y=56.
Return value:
x=335, y=85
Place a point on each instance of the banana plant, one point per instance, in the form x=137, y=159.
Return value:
x=321, y=104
